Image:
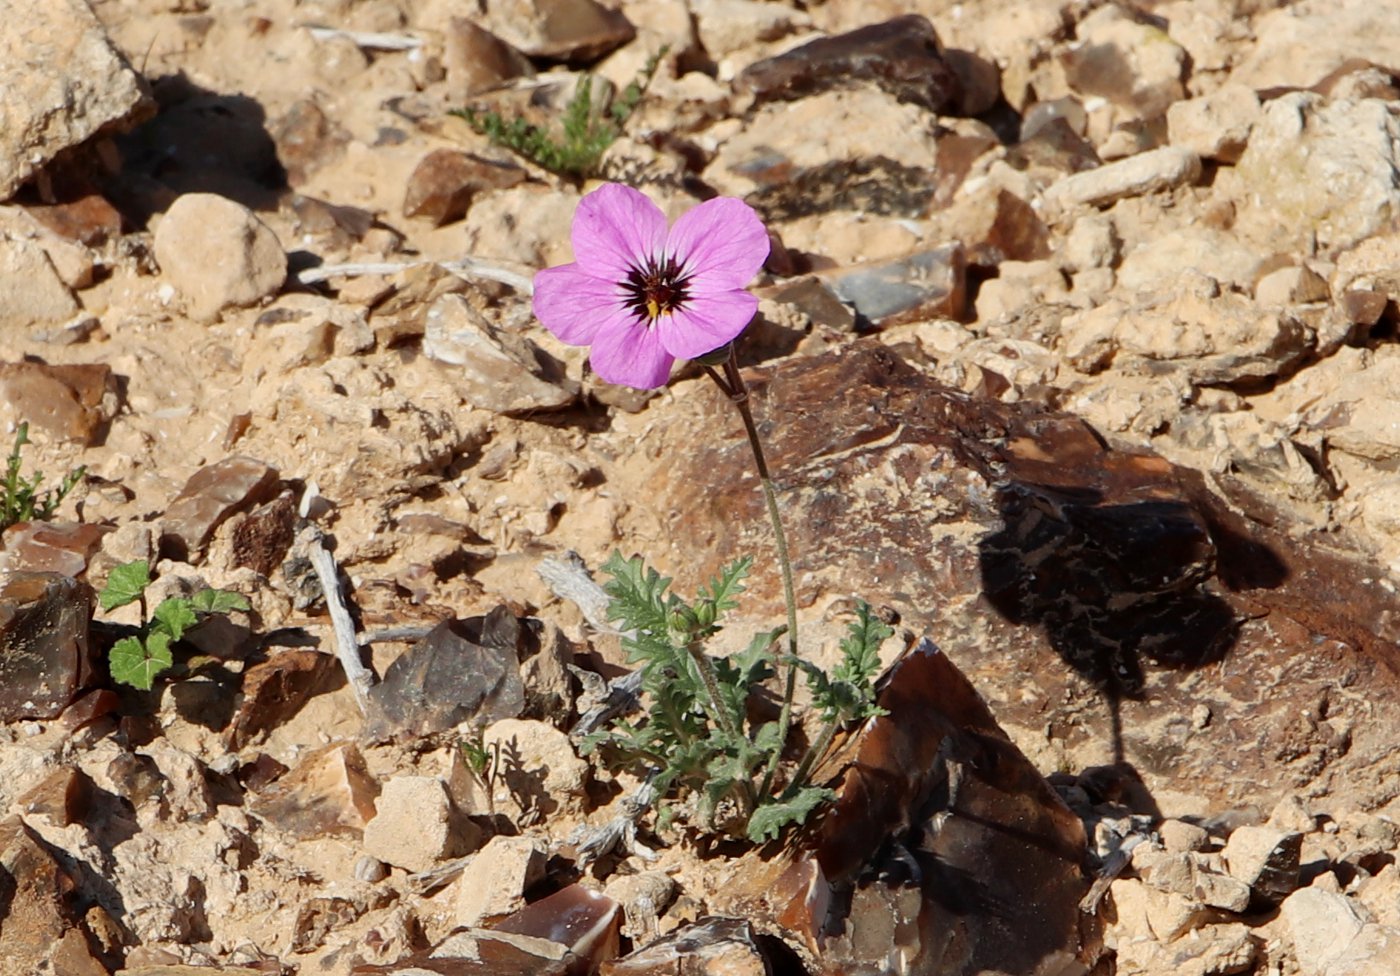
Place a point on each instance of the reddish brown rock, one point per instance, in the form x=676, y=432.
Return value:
x=213, y=494
x=51, y=547
x=45, y=659
x=714, y=947
x=444, y=182
x=584, y=921
x=70, y=402
x=329, y=793
x=262, y=537
x=307, y=140
x=88, y=219
x=945, y=851
x=276, y=689
x=39, y=927
x=577, y=31
x=63, y=796
x=477, y=60
x=1054, y=568
x=900, y=56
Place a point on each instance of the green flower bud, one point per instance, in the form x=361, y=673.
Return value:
x=683, y=620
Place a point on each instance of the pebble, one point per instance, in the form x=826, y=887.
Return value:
x=218, y=254
x=1159, y=169
x=31, y=292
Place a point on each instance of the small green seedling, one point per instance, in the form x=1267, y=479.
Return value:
x=585, y=132
x=137, y=660
x=697, y=735
x=20, y=498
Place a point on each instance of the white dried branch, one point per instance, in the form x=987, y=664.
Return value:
x=467, y=268
x=347, y=648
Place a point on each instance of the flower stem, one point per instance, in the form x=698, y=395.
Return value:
x=732, y=383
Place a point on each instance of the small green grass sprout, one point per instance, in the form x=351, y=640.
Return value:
x=20, y=497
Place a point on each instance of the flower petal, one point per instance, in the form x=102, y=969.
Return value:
x=631, y=354
x=573, y=304
x=722, y=239
x=706, y=322
x=615, y=228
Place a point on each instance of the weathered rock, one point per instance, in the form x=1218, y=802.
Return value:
x=51, y=547
x=916, y=854
x=45, y=657
x=306, y=140
x=495, y=881
x=1179, y=836
x=276, y=689
x=63, y=797
x=482, y=952
x=72, y=402
x=31, y=292
x=1044, y=544
x=1295, y=47
x=727, y=26
x=1319, y=174
x=41, y=929
x=1322, y=926
x=213, y=494
x=1266, y=859
x=584, y=921
x=901, y=56
x=261, y=538
x=927, y=285
x=877, y=157
x=713, y=947
x=442, y=185
x=643, y=896
x=85, y=88
x=218, y=254
x=461, y=671
x=415, y=826
x=329, y=793
x=1159, y=169
x=1216, y=336
x=1298, y=285
x=1135, y=65
x=87, y=217
x=563, y=30
x=477, y=60
x=540, y=773
x=494, y=370
x=1215, y=126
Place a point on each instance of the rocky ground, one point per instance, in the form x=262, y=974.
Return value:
x=1076, y=355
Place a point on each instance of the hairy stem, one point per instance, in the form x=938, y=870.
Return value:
x=715, y=705
x=733, y=386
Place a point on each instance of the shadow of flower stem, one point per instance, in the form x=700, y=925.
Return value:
x=732, y=385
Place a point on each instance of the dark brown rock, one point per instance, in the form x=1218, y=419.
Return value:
x=945, y=851
x=70, y=402
x=709, y=947
x=477, y=60
x=40, y=928
x=462, y=670
x=444, y=182
x=87, y=219
x=329, y=793
x=213, y=494
x=930, y=284
x=45, y=658
x=51, y=547
x=262, y=537
x=276, y=689
x=306, y=140
x=1052, y=567
x=900, y=56
x=480, y=952
x=63, y=796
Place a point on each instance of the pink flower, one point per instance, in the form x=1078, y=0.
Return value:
x=643, y=296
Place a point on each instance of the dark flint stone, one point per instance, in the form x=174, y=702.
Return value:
x=929, y=284
x=461, y=671
x=443, y=184
x=45, y=657
x=64, y=796
x=52, y=547
x=87, y=219
x=213, y=494
x=900, y=56
x=584, y=921
x=73, y=402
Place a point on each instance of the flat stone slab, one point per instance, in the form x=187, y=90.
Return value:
x=63, y=83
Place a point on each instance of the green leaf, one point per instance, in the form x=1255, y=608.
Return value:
x=173, y=617
x=135, y=664
x=725, y=588
x=768, y=821
x=218, y=601
x=125, y=584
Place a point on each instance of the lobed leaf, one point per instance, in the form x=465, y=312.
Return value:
x=768, y=821
x=218, y=601
x=125, y=584
x=137, y=664
x=174, y=616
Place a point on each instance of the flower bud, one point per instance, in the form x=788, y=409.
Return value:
x=683, y=620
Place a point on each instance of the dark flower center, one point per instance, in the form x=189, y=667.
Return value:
x=656, y=288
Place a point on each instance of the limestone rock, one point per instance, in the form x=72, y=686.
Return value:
x=877, y=156
x=1322, y=926
x=218, y=254
x=1215, y=126
x=41, y=928
x=493, y=369
x=712, y=947
x=495, y=881
x=415, y=826
x=328, y=793
x=85, y=86
x=45, y=658
x=1159, y=169
x=1297, y=46
x=1266, y=859
x=541, y=773
x=1134, y=64
x=31, y=292
x=565, y=30
x=1319, y=173
x=726, y=26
